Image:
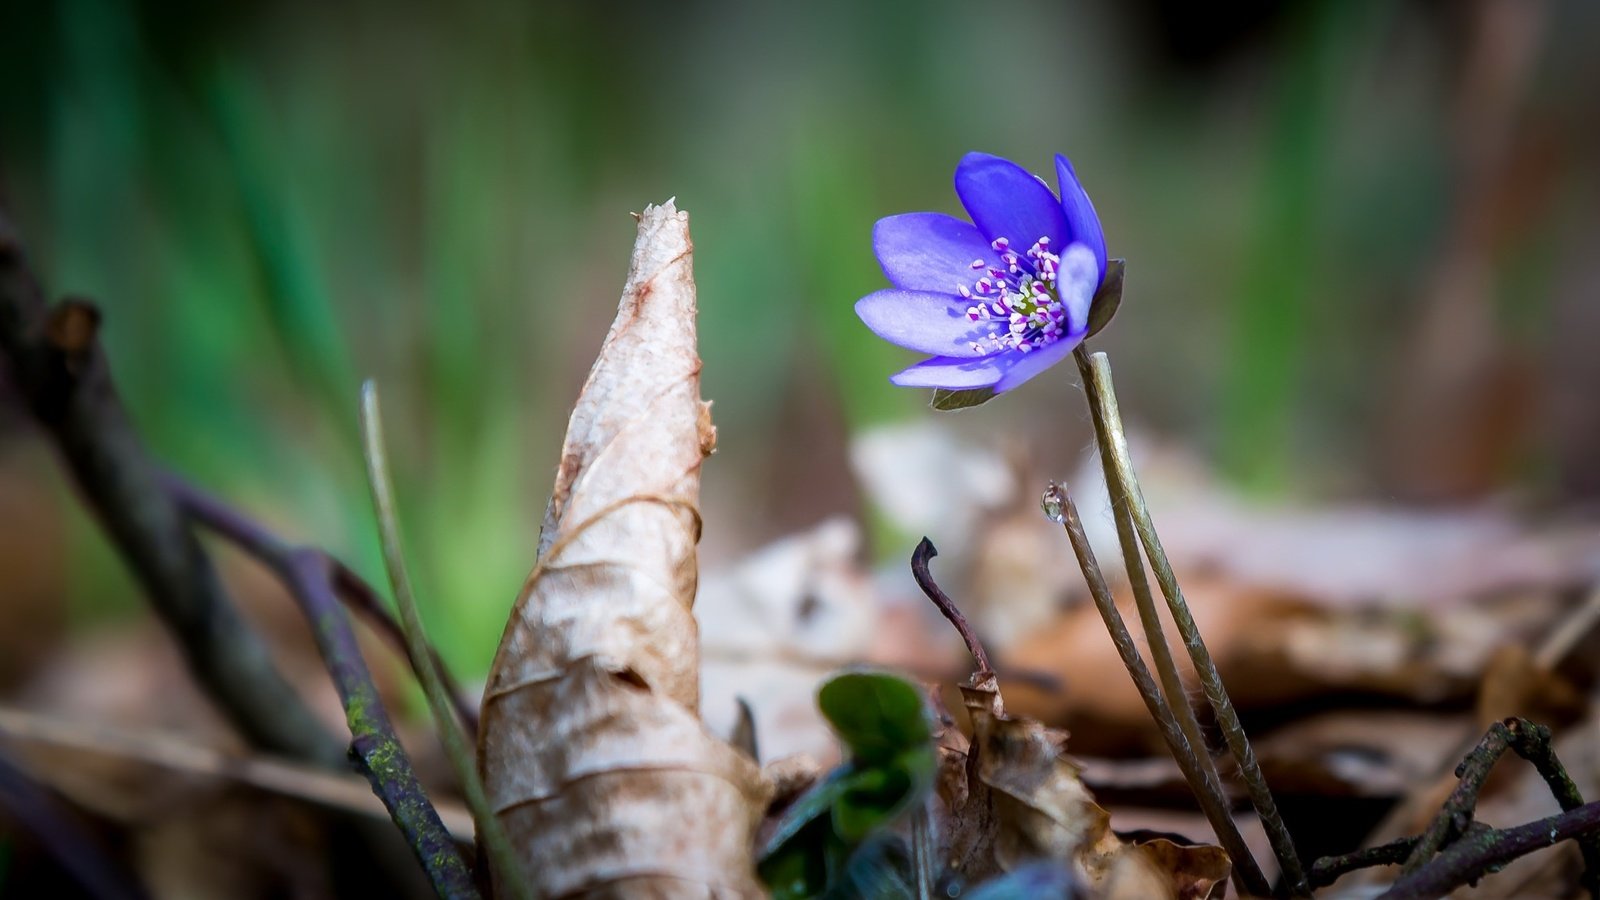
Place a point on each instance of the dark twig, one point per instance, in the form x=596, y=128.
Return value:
x=1455, y=850
x=1482, y=852
x=1328, y=869
x=919, y=570
x=1456, y=814
x=1203, y=783
x=57, y=365
x=58, y=828
x=356, y=592
x=308, y=573
x=1531, y=742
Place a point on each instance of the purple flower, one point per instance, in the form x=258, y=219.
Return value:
x=1000, y=300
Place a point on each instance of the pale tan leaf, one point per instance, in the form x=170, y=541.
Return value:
x=592, y=750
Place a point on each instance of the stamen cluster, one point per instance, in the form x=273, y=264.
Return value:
x=1026, y=301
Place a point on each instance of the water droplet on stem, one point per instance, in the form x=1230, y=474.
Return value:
x=1054, y=502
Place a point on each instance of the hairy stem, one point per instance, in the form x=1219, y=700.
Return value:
x=1128, y=493
x=1133, y=559
x=1207, y=790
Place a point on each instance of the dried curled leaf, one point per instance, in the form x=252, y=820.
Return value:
x=1025, y=802
x=591, y=747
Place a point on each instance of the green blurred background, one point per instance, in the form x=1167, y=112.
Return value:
x=1362, y=243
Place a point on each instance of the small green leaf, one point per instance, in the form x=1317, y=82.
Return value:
x=878, y=716
x=1108, y=298
x=816, y=803
x=884, y=723
x=874, y=797
x=945, y=401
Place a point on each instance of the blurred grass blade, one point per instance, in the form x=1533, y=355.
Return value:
x=463, y=759
x=293, y=284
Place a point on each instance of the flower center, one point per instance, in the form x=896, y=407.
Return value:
x=1021, y=299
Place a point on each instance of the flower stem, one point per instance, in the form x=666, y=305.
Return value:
x=1133, y=560
x=1202, y=780
x=497, y=845
x=1125, y=490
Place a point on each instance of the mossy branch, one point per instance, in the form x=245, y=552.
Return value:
x=309, y=575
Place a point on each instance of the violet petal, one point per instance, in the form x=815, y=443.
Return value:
x=930, y=251
x=1083, y=225
x=1004, y=200
x=924, y=321
x=1076, y=283
x=951, y=374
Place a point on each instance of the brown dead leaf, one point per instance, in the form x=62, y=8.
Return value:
x=1195, y=870
x=1513, y=684
x=1015, y=796
x=592, y=751
x=1274, y=649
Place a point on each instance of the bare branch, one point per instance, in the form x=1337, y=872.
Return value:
x=309, y=575
x=58, y=367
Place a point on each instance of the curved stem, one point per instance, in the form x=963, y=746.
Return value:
x=1133, y=559
x=924, y=578
x=1205, y=785
x=1128, y=492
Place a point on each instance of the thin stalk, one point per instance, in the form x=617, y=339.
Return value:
x=1129, y=493
x=1133, y=559
x=1207, y=789
x=463, y=758
x=924, y=578
x=1329, y=869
